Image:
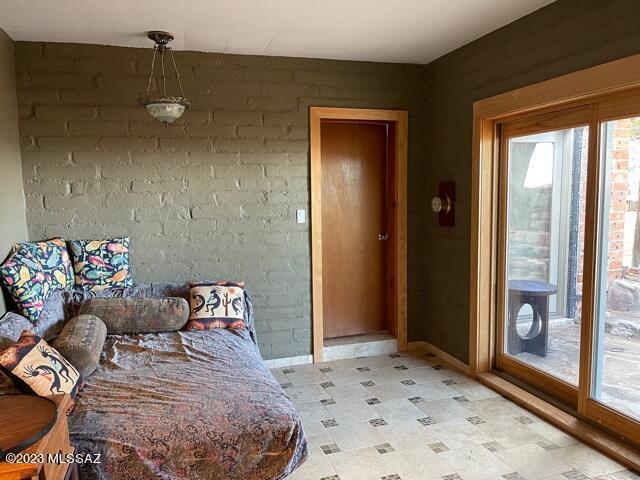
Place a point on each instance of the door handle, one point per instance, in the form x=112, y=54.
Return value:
x=383, y=236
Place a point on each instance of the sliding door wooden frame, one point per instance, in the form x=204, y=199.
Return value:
x=608, y=84
x=399, y=119
x=533, y=124
x=611, y=107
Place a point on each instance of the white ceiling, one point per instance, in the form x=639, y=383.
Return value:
x=415, y=31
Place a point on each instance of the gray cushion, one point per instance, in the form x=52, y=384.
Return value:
x=11, y=326
x=139, y=315
x=52, y=318
x=81, y=342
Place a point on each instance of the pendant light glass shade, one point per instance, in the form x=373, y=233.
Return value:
x=165, y=112
x=162, y=107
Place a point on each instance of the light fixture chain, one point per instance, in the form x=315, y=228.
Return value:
x=175, y=67
x=164, y=77
x=153, y=63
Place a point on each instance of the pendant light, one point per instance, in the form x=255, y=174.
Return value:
x=164, y=108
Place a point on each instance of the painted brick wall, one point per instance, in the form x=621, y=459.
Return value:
x=214, y=195
x=563, y=37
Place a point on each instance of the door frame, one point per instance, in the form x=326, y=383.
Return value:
x=399, y=119
x=606, y=89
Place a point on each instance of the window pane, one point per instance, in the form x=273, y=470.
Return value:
x=616, y=381
x=545, y=221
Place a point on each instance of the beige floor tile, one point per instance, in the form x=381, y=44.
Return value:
x=432, y=391
x=380, y=361
x=435, y=428
x=385, y=375
x=552, y=434
x=444, y=410
x=475, y=463
x=346, y=376
x=456, y=434
x=316, y=466
x=350, y=436
x=532, y=462
x=346, y=411
x=306, y=393
x=428, y=375
x=312, y=411
x=362, y=464
x=495, y=407
x=419, y=463
x=509, y=432
x=313, y=377
x=319, y=440
x=390, y=391
x=313, y=428
x=348, y=392
x=587, y=460
x=398, y=409
x=474, y=391
x=404, y=435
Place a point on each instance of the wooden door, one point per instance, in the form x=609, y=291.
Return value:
x=354, y=216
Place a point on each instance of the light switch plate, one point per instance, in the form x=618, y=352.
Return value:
x=301, y=216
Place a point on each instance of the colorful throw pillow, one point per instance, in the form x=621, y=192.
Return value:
x=24, y=279
x=37, y=367
x=53, y=257
x=216, y=305
x=101, y=264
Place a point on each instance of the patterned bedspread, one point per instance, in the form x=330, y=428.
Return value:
x=186, y=405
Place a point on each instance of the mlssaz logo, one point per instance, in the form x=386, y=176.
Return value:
x=60, y=458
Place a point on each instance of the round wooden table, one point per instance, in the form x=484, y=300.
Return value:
x=24, y=420
x=535, y=294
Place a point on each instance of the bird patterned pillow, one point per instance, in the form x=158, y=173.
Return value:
x=25, y=280
x=53, y=257
x=36, y=367
x=216, y=305
x=101, y=264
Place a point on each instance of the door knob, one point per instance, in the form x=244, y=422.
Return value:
x=383, y=236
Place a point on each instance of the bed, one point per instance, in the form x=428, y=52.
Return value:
x=196, y=405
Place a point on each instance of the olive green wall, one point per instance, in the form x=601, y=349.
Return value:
x=12, y=216
x=566, y=36
x=214, y=195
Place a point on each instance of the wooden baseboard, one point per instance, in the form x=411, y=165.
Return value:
x=442, y=355
x=607, y=444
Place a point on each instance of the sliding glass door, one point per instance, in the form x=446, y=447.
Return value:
x=613, y=390
x=568, y=316
x=544, y=169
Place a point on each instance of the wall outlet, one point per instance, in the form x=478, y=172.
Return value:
x=301, y=216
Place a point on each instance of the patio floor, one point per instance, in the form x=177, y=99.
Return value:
x=621, y=367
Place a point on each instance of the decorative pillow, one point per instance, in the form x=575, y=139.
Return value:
x=101, y=264
x=138, y=315
x=11, y=326
x=35, y=366
x=81, y=342
x=53, y=257
x=216, y=305
x=26, y=282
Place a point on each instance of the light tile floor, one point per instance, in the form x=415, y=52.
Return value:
x=407, y=417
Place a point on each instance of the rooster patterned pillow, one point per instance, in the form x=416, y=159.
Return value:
x=101, y=264
x=24, y=279
x=53, y=257
x=37, y=367
x=216, y=305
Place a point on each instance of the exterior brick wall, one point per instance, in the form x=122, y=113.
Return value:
x=214, y=195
